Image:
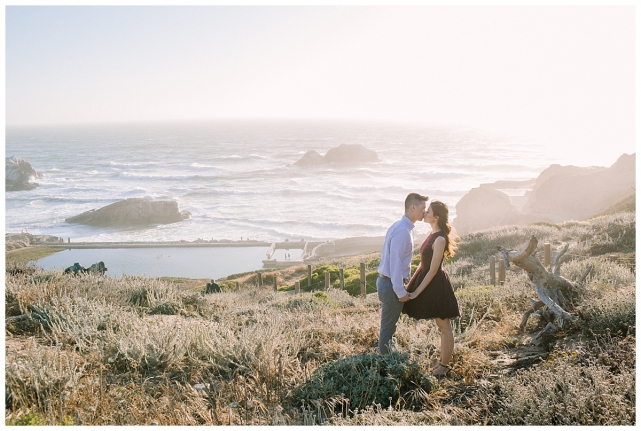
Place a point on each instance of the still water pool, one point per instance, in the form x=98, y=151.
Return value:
x=200, y=262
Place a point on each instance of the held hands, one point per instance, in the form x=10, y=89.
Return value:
x=405, y=298
x=410, y=295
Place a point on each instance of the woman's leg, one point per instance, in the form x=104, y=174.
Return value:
x=447, y=344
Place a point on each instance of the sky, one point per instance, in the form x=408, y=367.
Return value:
x=559, y=76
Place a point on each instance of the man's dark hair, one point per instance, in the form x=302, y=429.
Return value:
x=414, y=198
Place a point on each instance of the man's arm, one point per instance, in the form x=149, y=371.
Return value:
x=398, y=250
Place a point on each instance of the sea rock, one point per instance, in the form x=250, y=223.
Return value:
x=311, y=158
x=344, y=153
x=76, y=269
x=560, y=193
x=19, y=174
x=132, y=213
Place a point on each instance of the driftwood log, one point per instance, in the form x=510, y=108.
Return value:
x=555, y=294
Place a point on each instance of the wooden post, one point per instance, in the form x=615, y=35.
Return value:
x=237, y=286
x=363, y=286
x=297, y=291
x=547, y=254
x=501, y=271
x=260, y=280
x=341, y=276
x=309, y=277
x=275, y=282
x=492, y=270
x=327, y=280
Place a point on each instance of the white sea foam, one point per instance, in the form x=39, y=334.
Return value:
x=240, y=180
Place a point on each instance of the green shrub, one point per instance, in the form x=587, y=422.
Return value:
x=309, y=301
x=318, y=277
x=615, y=312
x=38, y=376
x=79, y=321
x=353, y=283
x=604, y=272
x=613, y=233
x=366, y=379
x=479, y=246
x=351, y=277
x=148, y=347
x=562, y=392
x=29, y=419
x=166, y=308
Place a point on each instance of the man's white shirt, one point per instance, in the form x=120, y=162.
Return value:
x=396, y=256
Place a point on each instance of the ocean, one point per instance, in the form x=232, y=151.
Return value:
x=238, y=178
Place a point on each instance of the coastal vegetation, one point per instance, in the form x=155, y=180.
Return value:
x=96, y=350
x=23, y=256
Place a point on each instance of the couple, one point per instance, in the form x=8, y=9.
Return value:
x=429, y=294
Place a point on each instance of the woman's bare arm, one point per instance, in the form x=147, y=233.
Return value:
x=439, y=250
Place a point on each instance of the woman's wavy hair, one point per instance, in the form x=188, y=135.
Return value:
x=440, y=210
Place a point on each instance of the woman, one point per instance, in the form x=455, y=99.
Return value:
x=431, y=293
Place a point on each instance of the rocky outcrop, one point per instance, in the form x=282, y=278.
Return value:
x=560, y=193
x=14, y=241
x=19, y=174
x=132, y=213
x=96, y=268
x=344, y=153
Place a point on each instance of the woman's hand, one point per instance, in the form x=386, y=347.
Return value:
x=413, y=295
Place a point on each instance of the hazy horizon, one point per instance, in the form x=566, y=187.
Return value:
x=560, y=77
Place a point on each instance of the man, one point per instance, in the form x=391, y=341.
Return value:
x=394, y=268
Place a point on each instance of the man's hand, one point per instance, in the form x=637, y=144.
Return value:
x=405, y=298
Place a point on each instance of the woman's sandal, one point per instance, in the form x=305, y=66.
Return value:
x=440, y=376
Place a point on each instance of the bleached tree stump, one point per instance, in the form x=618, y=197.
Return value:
x=555, y=293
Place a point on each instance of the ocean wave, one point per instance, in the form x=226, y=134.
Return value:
x=458, y=167
x=137, y=176
x=132, y=164
x=75, y=200
x=235, y=157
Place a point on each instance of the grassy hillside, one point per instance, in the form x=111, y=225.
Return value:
x=625, y=205
x=89, y=350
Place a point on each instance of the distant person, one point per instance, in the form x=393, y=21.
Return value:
x=394, y=268
x=431, y=292
x=212, y=287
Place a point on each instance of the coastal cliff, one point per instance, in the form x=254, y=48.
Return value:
x=559, y=193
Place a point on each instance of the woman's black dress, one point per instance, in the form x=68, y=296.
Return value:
x=437, y=299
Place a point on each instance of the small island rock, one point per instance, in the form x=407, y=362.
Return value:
x=131, y=213
x=19, y=174
x=344, y=153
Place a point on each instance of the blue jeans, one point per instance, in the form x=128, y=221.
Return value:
x=391, y=311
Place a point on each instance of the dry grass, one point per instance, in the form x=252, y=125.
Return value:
x=92, y=350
